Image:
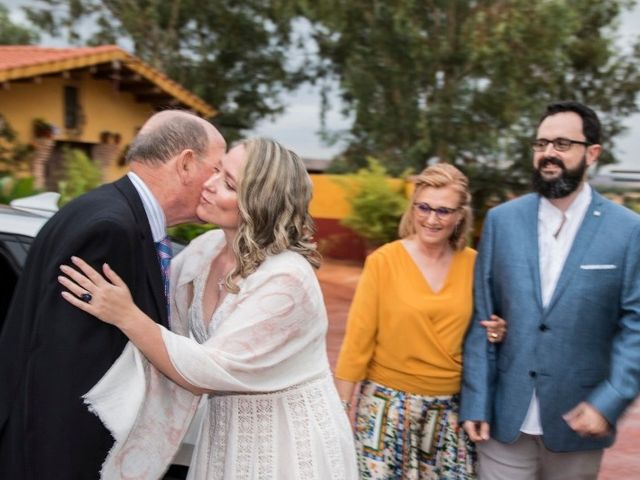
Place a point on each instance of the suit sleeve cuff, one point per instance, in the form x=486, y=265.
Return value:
x=608, y=402
x=473, y=406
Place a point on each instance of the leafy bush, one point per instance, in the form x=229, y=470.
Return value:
x=81, y=175
x=12, y=188
x=14, y=156
x=188, y=231
x=376, y=205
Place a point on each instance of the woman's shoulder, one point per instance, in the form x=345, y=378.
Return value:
x=388, y=251
x=468, y=253
x=200, y=251
x=287, y=262
x=467, y=257
x=207, y=242
x=287, y=268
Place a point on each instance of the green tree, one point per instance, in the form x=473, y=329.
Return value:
x=232, y=53
x=465, y=82
x=188, y=231
x=13, y=34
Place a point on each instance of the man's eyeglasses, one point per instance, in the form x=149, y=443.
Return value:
x=424, y=210
x=559, y=144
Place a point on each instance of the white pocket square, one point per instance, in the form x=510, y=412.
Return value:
x=598, y=267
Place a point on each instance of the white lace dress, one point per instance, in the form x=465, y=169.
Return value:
x=298, y=431
x=275, y=414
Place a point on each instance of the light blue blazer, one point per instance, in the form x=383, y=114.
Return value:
x=585, y=346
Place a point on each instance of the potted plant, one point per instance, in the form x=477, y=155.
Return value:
x=42, y=128
x=105, y=136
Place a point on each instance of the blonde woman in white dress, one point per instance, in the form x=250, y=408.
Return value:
x=247, y=338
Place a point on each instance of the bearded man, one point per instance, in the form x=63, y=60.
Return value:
x=562, y=267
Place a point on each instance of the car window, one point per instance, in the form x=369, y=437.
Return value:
x=13, y=253
x=15, y=249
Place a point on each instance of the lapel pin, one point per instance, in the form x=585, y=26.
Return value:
x=596, y=213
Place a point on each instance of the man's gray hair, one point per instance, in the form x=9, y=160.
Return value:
x=161, y=142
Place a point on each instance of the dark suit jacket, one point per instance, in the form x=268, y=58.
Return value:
x=52, y=353
x=583, y=346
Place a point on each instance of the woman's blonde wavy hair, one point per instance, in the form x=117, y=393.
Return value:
x=273, y=202
x=439, y=176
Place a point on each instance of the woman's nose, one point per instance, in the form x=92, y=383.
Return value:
x=432, y=216
x=209, y=184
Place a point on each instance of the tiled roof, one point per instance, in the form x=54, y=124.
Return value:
x=16, y=56
x=25, y=61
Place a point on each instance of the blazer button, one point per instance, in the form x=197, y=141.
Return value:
x=543, y=328
x=532, y=374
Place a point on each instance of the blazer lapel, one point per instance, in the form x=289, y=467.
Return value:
x=150, y=256
x=584, y=238
x=530, y=243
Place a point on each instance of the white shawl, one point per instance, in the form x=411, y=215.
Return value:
x=271, y=338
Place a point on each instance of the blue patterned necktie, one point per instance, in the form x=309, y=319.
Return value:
x=164, y=255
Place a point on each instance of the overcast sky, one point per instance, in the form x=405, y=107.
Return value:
x=298, y=128
x=628, y=146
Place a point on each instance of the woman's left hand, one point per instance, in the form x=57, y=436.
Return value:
x=110, y=301
x=496, y=328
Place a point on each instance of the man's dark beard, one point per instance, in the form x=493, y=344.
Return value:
x=559, y=187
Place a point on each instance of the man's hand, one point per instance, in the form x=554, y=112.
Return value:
x=478, y=431
x=586, y=421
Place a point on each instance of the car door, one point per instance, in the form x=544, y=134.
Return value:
x=13, y=254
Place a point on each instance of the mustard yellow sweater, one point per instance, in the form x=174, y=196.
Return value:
x=400, y=333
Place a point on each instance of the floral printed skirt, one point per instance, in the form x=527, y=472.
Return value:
x=401, y=435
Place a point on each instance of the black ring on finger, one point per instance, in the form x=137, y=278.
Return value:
x=86, y=297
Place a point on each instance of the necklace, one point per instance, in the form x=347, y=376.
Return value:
x=224, y=265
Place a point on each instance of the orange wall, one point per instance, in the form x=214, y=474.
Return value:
x=330, y=198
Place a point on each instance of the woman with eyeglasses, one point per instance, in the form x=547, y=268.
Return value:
x=404, y=339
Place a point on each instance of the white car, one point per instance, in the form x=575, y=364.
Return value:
x=20, y=222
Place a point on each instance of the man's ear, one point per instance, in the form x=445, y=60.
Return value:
x=185, y=163
x=593, y=153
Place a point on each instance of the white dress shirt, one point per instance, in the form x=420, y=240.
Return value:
x=556, y=232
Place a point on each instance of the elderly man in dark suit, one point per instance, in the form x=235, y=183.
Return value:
x=51, y=353
x=562, y=267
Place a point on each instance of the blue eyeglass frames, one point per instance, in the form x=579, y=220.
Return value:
x=424, y=210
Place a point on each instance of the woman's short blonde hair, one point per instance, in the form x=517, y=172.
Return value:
x=439, y=176
x=273, y=201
